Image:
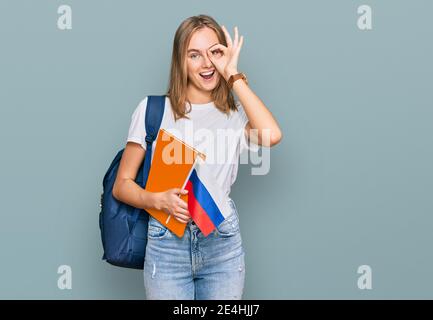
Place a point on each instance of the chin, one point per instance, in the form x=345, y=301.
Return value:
x=209, y=87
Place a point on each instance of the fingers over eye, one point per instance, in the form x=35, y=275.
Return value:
x=217, y=46
x=240, y=43
x=228, y=38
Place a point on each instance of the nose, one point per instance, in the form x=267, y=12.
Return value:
x=206, y=62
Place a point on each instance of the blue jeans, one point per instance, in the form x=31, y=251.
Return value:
x=195, y=266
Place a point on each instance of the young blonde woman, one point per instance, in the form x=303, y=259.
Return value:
x=203, y=74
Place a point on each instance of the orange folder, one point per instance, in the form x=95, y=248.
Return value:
x=172, y=163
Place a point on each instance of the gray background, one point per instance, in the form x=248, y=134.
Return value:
x=350, y=184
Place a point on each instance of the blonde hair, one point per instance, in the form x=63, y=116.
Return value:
x=177, y=89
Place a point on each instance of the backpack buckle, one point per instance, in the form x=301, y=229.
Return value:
x=149, y=139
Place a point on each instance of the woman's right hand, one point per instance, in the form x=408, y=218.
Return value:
x=170, y=202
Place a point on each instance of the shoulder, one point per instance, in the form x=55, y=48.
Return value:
x=239, y=108
x=142, y=104
x=140, y=110
x=239, y=115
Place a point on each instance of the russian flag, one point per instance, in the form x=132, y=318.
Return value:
x=207, y=203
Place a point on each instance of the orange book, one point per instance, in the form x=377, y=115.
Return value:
x=172, y=163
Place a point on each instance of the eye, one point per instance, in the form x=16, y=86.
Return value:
x=217, y=52
x=194, y=55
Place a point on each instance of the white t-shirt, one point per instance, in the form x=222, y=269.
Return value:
x=219, y=136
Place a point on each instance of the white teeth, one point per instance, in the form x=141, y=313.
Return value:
x=207, y=74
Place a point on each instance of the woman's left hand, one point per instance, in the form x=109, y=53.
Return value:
x=227, y=63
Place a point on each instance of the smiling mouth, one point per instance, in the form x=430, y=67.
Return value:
x=207, y=75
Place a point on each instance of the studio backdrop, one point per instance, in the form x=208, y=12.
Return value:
x=343, y=211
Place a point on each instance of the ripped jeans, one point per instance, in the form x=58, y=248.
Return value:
x=195, y=266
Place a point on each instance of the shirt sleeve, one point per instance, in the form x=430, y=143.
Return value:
x=243, y=120
x=137, y=130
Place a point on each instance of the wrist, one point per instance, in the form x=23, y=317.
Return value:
x=156, y=200
x=235, y=78
x=150, y=200
x=229, y=73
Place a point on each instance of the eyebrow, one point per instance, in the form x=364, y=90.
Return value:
x=199, y=50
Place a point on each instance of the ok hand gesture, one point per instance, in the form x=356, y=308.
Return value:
x=227, y=62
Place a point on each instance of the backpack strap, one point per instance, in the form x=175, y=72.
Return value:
x=154, y=113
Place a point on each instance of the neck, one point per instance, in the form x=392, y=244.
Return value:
x=197, y=96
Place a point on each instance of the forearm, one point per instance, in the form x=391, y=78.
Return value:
x=259, y=116
x=129, y=192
